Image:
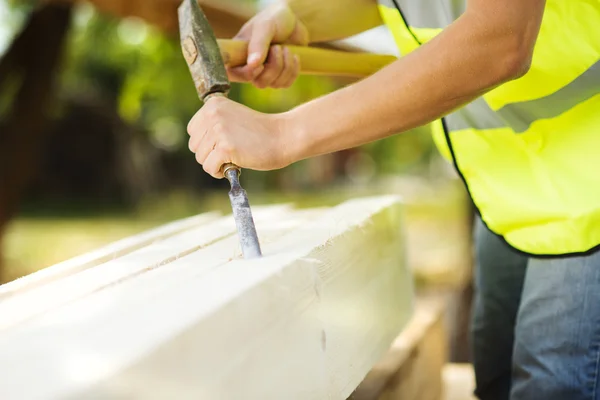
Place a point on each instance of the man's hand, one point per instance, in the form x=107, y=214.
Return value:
x=271, y=66
x=297, y=22
x=224, y=131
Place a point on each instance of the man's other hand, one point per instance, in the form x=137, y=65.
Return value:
x=268, y=64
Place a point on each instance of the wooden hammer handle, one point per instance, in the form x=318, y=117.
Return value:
x=314, y=61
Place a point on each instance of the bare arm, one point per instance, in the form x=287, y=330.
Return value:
x=490, y=44
x=335, y=19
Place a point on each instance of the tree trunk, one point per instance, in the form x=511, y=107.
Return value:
x=32, y=61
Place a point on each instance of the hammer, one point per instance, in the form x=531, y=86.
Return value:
x=207, y=57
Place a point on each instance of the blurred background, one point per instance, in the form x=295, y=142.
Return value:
x=95, y=98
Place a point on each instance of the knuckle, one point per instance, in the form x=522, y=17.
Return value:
x=192, y=126
x=279, y=64
x=277, y=54
x=267, y=77
x=218, y=128
x=211, y=111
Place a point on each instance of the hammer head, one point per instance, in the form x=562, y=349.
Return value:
x=201, y=51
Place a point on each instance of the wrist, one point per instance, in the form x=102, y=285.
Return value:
x=293, y=140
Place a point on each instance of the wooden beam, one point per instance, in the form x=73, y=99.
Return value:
x=82, y=280
x=306, y=321
x=94, y=258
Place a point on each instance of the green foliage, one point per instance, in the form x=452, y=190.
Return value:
x=143, y=71
x=12, y=17
x=137, y=67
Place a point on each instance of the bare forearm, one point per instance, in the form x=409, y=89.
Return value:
x=469, y=58
x=336, y=19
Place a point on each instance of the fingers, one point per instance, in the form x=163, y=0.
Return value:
x=204, y=130
x=258, y=45
x=210, y=156
x=244, y=73
x=267, y=65
x=291, y=69
x=201, y=145
x=213, y=163
x=202, y=150
x=273, y=68
x=200, y=142
x=280, y=71
x=259, y=37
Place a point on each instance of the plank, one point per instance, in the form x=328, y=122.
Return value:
x=125, y=264
x=307, y=321
x=413, y=366
x=101, y=255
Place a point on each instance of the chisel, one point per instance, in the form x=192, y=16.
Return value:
x=202, y=54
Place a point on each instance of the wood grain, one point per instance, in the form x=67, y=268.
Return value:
x=101, y=255
x=125, y=264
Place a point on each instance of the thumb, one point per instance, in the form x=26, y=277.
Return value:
x=299, y=35
x=259, y=44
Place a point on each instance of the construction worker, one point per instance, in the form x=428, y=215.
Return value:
x=517, y=83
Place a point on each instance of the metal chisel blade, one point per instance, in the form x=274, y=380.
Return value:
x=242, y=215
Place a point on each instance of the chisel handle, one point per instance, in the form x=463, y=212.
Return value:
x=314, y=61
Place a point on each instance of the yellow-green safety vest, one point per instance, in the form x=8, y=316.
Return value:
x=529, y=150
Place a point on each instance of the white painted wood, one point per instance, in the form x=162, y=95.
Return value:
x=307, y=321
x=27, y=304
x=103, y=254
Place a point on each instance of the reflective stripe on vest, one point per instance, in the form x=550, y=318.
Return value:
x=529, y=150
